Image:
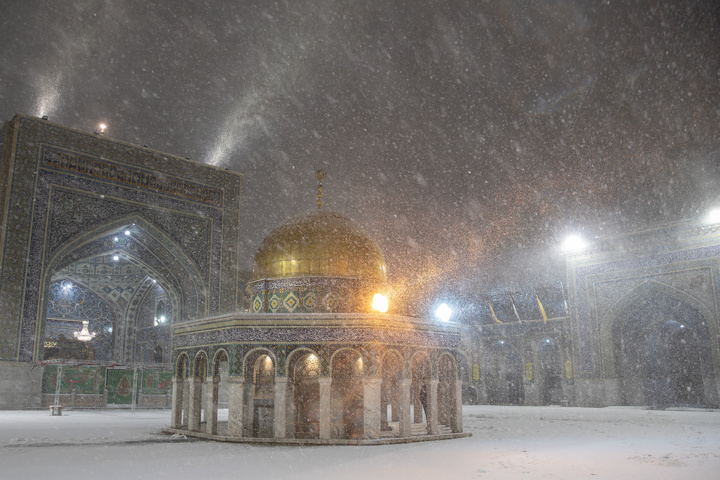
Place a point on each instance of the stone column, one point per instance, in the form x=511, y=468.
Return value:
x=236, y=405
x=290, y=409
x=417, y=405
x=280, y=400
x=211, y=404
x=432, y=406
x=195, y=404
x=371, y=406
x=186, y=402
x=457, y=419
x=249, y=409
x=404, y=407
x=385, y=398
x=394, y=402
x=177, y=402
x=325, y=408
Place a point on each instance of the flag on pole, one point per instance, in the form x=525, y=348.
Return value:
x=542, y=310
x=492, y=312
x=517, y=315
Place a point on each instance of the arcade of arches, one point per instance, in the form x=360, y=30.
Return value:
x=344, y=402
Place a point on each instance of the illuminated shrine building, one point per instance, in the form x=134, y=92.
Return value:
x=119, y=264
x=313, y=362
x=119, y=274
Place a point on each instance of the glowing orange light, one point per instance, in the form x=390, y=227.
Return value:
x=380, y=303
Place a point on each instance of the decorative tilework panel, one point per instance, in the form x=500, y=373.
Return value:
x=104, y=169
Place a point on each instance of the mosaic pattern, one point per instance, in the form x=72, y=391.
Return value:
x=101, y=168
x=70, y=301
x=596, y=286
x=282, y=354
x=315, y=335
x=311, y=294
x=236, y=368
x=68, y=305
x=159, y=257
x=71, y=212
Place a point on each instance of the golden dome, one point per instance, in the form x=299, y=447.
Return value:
x=319, y=244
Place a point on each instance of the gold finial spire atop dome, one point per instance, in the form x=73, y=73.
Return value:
x=320, y=175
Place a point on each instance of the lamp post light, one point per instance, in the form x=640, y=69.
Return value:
x=573, y=243
x=443, y=312
x=713, y=216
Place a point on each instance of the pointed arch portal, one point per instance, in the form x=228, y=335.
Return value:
x=661, y=350
x=132, y=269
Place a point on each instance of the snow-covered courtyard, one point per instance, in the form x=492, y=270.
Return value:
x=507, y=443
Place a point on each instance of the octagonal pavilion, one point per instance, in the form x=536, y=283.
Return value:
x=314, y=361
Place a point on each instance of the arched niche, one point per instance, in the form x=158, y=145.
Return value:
x=347, y=394
x=136, y=242
x=391, y=370
x=549, y=372
x=143, y=329
x=661, y=348
x=420, y=375
x=221, y=371
x=504, y=375
x=145, y=245
x=200, y=366
x=70, y=302
x=303, y=375
x=260, y=368
x=181, y=404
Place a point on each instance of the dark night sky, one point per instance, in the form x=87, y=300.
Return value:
x=455, y=132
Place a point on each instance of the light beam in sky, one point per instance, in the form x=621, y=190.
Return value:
x=48, y=97
x=238, y=126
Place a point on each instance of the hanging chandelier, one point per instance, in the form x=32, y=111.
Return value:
x=84, y=334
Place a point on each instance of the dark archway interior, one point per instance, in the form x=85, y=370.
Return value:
x=549, y=373
x=392, y=370
x=306, y=396
x=347, y=395
x=420, y=374
x=263, y=405
x=127, y=284
x=504, y=376
x=662, y=354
